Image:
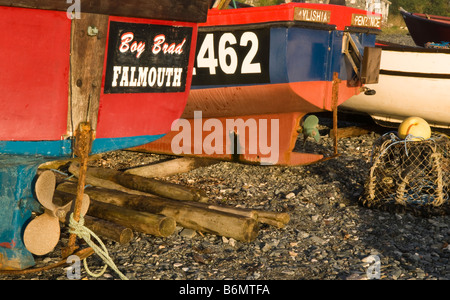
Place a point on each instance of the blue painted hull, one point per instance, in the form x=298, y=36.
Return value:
x=63, y=148
x=295, y=53
x=19, y=162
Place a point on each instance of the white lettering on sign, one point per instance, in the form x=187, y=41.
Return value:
x=126, y=39
x=160, y=45
x=366, y=20
x=125, y=76
x=312, y=15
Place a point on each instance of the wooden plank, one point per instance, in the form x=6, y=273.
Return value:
x=175, y=10
x=86, y=69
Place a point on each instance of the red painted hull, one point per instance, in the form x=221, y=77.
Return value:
x=35, y=74
x=305, y=97
x=129, y=77
x=34, y=82
x=340, y=16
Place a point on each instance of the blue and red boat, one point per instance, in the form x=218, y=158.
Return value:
x=260, y=70
x=126, y=68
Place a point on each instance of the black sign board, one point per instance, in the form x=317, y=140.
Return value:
x=232, y=57
x=147, y=58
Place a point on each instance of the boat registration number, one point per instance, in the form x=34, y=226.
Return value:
x=232, y=57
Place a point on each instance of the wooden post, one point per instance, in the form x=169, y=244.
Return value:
x=335, y=98
x=83, y=144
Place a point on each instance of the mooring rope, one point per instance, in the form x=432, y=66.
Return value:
x=85, y=233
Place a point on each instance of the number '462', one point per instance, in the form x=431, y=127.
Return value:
x=228, y=59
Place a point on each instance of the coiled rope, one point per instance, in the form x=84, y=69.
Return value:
x=85, y=233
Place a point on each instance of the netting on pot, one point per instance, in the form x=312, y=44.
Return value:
x=409, y=175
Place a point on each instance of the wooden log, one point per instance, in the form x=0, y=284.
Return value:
x=121, y=234
x=113, y=231
x=242, y=228
x=145, y=222
x=133, y=184
x=160, y=188
x=104, y=183
x=171, y=167
x=272, y=218
x=56, y=164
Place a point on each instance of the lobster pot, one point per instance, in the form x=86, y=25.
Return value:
x=409, y=176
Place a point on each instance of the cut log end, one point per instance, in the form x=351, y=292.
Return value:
x=166, y=227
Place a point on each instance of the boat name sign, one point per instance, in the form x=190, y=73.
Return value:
x=133, y=68
x=312, y=15
x=369, y=20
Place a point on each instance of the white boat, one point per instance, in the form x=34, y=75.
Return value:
x=413, y=82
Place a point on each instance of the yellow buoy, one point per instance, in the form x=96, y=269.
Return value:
x=415, y=126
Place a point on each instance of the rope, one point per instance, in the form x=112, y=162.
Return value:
x=85, y=233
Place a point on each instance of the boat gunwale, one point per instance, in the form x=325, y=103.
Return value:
x=288, y=24
x=250, y=26
x=432, y=17
x=388, y=46
x=407, y=14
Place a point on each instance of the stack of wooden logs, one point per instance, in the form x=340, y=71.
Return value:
x=123, y=202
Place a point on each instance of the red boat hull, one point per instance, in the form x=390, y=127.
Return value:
x=38, y=84
x=292, y=52
x=124, y=67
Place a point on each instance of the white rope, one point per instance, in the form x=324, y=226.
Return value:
x=85, y=233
